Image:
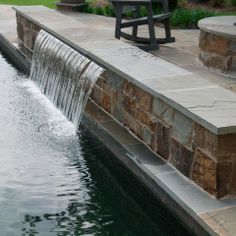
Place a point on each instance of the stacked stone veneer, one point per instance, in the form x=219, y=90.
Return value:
x=202, y=156
x=217, y=52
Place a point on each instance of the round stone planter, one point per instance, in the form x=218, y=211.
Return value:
x=217, y=43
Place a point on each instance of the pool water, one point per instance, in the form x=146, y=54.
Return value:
x=56, y=181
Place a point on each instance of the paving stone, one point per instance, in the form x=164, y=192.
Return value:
x=222, y=221
x=195, y=200
x=213, y=107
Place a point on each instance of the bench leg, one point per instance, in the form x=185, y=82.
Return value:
x=167, y=30
x=135, y=31
x=118, y=20
x=151, y=24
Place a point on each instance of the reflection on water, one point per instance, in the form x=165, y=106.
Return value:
x=56, y=182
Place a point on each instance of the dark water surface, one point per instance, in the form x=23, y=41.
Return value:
x=56, y=182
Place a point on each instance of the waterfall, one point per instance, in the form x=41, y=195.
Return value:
x=64, y=75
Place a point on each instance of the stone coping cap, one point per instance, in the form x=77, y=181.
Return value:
x=212, y=106
x=220, y=25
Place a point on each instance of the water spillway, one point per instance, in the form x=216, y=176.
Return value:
x=55, y=182
x=64, y=75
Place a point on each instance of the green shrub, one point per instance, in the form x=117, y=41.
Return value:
x=232, y=3
x=181, y=17
x=188, y=18
x=99, y=9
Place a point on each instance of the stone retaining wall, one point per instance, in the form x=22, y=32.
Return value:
x=202, y=156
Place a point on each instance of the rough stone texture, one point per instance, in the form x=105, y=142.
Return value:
x=194, y=150
x=232, y=190
x=144, y=99
x=147, y=135
x=162, y=140
x=163, y=111
x=204, y=172
x=181, y=157
x=106, y=102
x=132, y=124
x=182, y=129
x=204, y=139
x=145, y=117
x=208, y=42
x=216, y=61
x=224, y=177
x=27, y=32
x=217, y=51
x=226, y=147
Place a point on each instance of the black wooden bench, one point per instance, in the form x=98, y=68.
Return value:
x=123, y=6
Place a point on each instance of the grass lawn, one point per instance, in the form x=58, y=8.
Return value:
x=48, y=3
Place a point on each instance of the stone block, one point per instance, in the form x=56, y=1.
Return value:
x=216, y=61
x=35, y=28
x=233, y=63
x=232, y=191
x=110, y=81
x=102, y=83
x=133, y=125
x=182, y=129
x=204, y=172
x=147, y=135
x=118, y=112
x=145, y=118
x=96, y=95
x=27, y=40
x=115, y=81
x=162, y=140
x=181, y=157
x=117, y=109
x=232, y=47
x=99, y=82
x=214, y=44
x=226, y=147
x=129, y=105
x=162, y=111
x=144, y=99
x=205, y=140
x=129, y=89
x=20, y=31
x=224, y=177
x=106, y=102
